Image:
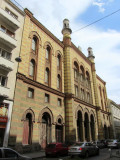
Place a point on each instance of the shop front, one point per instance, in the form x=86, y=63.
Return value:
x=3, y=121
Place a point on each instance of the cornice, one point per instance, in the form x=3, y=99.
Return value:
x=85, y=103
x=34, y=20
x=101, y=79
x=38, y=85
x=105, y=112
x=16, y=6
x=80, y=53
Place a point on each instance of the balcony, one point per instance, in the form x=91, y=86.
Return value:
x=7, y=40
x=6, y=65
x=4, y=92
x=8, y=19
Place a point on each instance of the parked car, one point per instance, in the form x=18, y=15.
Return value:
x=99, y=144
x=56, y=149
x=85, y=149
x=105, y=142
x=10, y=154
x=114, y=143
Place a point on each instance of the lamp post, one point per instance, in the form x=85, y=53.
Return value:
x=18, y=59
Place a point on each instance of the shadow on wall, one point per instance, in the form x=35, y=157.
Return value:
x=71, y=137
x=23, y=148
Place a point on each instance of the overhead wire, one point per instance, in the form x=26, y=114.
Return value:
x=97, y=21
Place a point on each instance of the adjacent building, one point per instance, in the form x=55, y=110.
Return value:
x=58, y=96
x=11, y=26
x=115, y=118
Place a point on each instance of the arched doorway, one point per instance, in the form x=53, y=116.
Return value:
x=92, y=126
x=79, y=126
x=27, y=129
x=86, y=126
x=46, y=129
x=59, y=131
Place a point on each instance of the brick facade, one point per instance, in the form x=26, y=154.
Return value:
x=77, y=117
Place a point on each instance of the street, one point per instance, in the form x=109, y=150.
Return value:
x=104, y=155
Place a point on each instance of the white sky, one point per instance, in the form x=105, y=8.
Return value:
x=103, y=37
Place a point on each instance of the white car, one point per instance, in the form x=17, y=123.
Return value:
x=10, y=154
x=114, y=143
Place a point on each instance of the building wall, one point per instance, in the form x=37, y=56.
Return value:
x=101, y=87
x=73, y=109
x=37, y=106
x=26, y=51
x=115, y=118
x=16, y=50
x=9, y=24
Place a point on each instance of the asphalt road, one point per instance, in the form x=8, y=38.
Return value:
x=104, y=155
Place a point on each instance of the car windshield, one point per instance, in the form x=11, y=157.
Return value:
x=78, y=144
x=51, y=146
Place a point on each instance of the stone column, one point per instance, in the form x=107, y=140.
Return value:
x=53, y=133
x=63, y=132
x=83, y=131
x=89, y=128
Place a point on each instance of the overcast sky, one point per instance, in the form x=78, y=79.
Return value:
x=103, y=36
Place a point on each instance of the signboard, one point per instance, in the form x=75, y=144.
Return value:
x=3, y=119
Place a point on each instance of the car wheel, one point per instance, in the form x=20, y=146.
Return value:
x=47, y=155
x=87, y=154
x=71, y=156
x=98, y=152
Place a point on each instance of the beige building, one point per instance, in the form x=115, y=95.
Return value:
x=115, y=118
x=11, y=26
x=58, y=96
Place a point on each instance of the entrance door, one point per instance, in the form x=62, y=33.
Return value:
x=25, y=132
x=43, y=136
x=45, y=130
x=59, y=133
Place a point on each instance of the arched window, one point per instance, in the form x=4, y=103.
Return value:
x=76, y=70
x=48, y=53
x=32, y=67
x=34, y=43
x=82, y=73
x=58, y=81
x=58, y=61
x=83, y=94
x=101, y=97
x=47, y=75
x=76, y=90
x=87, y=78
x=88, y=97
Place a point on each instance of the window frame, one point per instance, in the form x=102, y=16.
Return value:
x=47, y=74
x=47, y=98
x=30, y=93
x=6, y=79
x=32, y=68
x=59, y=100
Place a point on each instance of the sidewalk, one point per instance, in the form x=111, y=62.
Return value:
x=38, y=154
x=114, y=155
x=41, y=154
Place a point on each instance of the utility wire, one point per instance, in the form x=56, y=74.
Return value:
x=97, y=21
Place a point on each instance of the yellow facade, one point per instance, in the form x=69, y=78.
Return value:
x=73, y=111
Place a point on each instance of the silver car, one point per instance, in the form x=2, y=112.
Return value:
x=10, y=154
x=114, y=143
x=99, y=144
x=85, y=149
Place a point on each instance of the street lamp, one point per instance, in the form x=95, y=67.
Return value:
x=18, y=59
